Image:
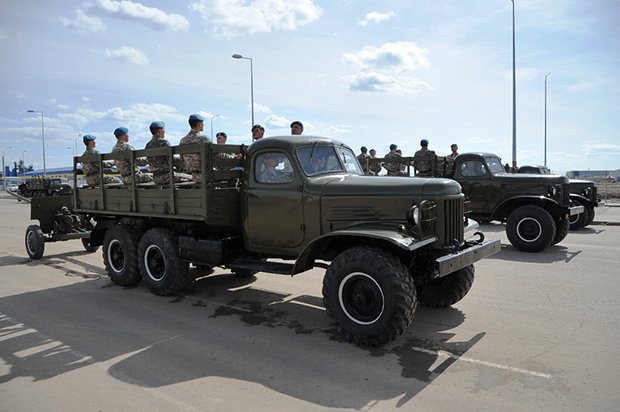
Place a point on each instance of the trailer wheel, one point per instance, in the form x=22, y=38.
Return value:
x=371, y=295
x=35, y=242
x=120, y=256
x=530, y=228
x=87, y=246
x=447, y=290
x=579, y=221
x=160, y=265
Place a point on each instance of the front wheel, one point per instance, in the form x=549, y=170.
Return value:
x=530, y=228
x=591, y=214
x=561, y=230
x=447, y=290
x=579, y=221
x=160, y=265
x=35, y=242
x=87, y=246
x=371, y=295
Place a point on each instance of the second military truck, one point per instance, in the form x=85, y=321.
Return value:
x=387, y=243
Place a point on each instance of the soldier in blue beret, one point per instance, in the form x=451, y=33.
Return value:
x=124, y=166
x=91, y=169
x=393, y=168
x=258, y=132
x=424, y=160
x=158, y=165
x=191, y=161
x=297, y=127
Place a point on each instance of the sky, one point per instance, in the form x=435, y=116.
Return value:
x=363, y=72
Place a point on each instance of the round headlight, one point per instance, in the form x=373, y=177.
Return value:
x=413, y=215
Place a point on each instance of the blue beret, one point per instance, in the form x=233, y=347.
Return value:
x=196, y=117
x=221, y=134
x=157, y=125
x=393, y=146
x=257, y=126
x=423, y=142
x=88, y=138
x=119, y=131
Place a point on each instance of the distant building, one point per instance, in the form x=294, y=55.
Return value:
x=593, y=174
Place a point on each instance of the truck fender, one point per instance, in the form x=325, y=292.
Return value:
x=582, y=200
x=504, y=209
x=359, y=235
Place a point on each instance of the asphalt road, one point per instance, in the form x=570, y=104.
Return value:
x=537, y=332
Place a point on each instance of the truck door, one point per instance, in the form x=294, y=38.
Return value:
x=478, y=185
x=275, y=216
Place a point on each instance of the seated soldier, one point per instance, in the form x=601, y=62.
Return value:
x=266, y=169
x=124, y=166
x=159, y=165
x=91, y=169
x=191, y=161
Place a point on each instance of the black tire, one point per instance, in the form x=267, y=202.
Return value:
x=447, y=290
x=370, y=294
x=120, y=256
x=578, y=222
x=530, y=228
x=87, y=246
x=243, y=273
x=591, y=214
x=561, y=230
x=35, y=242
x=161, y=268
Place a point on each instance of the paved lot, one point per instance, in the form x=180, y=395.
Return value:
x=536, y=332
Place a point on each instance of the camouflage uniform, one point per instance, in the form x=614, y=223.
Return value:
x=393, y=168
x=423, y=162
x=124, y=166
x=159, y=165
x=191, y=161
x=91, y=170
x=364, y=160
x=373, y=166
x=273, y=176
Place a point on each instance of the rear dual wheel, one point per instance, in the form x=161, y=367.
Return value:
x=162, y=269
x=120, y=256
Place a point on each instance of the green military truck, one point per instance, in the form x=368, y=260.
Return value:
x=582, y=192
x=41, y=187
x=286, y=205
x=536, y=208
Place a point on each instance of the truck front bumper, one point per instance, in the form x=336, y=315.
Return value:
x=454, y=261
x=575, y=210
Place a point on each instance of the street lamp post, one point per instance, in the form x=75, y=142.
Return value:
x=213, y=117
x=76, y=140
x=514, y=89
x=239, y=56
x=546, y=75
x=42, y=137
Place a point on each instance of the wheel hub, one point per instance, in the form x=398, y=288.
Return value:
x=361, y=298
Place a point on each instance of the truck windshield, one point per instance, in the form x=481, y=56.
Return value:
x=320, y=159
x=495, y=165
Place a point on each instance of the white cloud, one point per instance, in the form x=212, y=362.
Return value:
x=83, y=23
x=148, y=16
x=277, y=121
x=388, y=68
x=86, y=99
x=399, y=56
x=375, y=17
x=384, y=83
x=261, y=108
x=3, y=35
x=600, y=149
x=583, y=86
x=129, y=54
x=232, y=18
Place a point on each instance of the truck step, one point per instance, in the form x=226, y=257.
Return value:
x=263, y=266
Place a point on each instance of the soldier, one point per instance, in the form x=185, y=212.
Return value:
x=363, y=159
x=258, y=132
x=159, y=165
x=269, y=173
x=91, y=169
x=449, y=165
x=221, y=139
x=297, y=127
x=124, y=166
x=393, y=168
x=423, y=160
x=373, y=164
x=191, y=161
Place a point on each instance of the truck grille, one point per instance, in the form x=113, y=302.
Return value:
x=454, y=224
